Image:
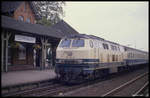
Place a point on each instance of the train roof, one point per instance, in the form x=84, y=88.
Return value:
x=99, y=38
x=83, y=36
x=133, y=49
x=89, y=37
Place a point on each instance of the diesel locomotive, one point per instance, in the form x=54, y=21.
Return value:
x=80, y=57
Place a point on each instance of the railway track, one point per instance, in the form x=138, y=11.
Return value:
x=63, y=89
x=143, y=91
x=26, y=92
x=51, y=89
x=56, y=89
x=121, y=87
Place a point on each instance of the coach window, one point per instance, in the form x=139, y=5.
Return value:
x=91, y=44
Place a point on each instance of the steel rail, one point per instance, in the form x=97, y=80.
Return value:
x=141, y=89
x=50, y=91
x=31, y=90
x=64, y=89
x=124, y=85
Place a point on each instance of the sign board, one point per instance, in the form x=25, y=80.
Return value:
x=22, y=38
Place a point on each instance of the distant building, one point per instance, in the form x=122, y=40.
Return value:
x=20, y=10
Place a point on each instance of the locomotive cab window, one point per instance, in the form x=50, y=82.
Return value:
x=78, y=43
x=65, y=43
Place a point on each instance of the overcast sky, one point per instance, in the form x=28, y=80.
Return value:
x=125, y=23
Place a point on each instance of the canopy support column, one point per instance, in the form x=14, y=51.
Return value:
x=44, y=43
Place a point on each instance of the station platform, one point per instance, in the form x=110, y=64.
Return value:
x=27, y=76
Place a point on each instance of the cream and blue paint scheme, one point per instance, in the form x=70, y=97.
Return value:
x=86, y=56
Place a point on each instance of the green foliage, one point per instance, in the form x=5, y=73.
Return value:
x=44, y=21
x=51, y=12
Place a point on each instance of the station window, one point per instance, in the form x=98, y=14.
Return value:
x=22, y=52
x=24, y=6
x=28, y=20
x=20, y=18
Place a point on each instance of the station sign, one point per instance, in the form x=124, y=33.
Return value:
x=27, y=39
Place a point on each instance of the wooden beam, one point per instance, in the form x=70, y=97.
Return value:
x=7, y=39
x=2, y=51
x=42, y=40
x=44, y=45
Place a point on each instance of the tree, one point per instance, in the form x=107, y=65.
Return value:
x=44, y=21
x=51, y=12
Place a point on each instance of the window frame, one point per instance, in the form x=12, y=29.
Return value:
x=60, y=45
x=105, y=46
x=91, y=43
x=76, y=42
x=20, y=18
x=29, y=20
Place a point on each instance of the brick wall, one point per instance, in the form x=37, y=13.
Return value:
x=25, y=10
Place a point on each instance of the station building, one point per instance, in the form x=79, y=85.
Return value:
x=24, y=44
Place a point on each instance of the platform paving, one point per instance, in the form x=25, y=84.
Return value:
x=28, y=76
